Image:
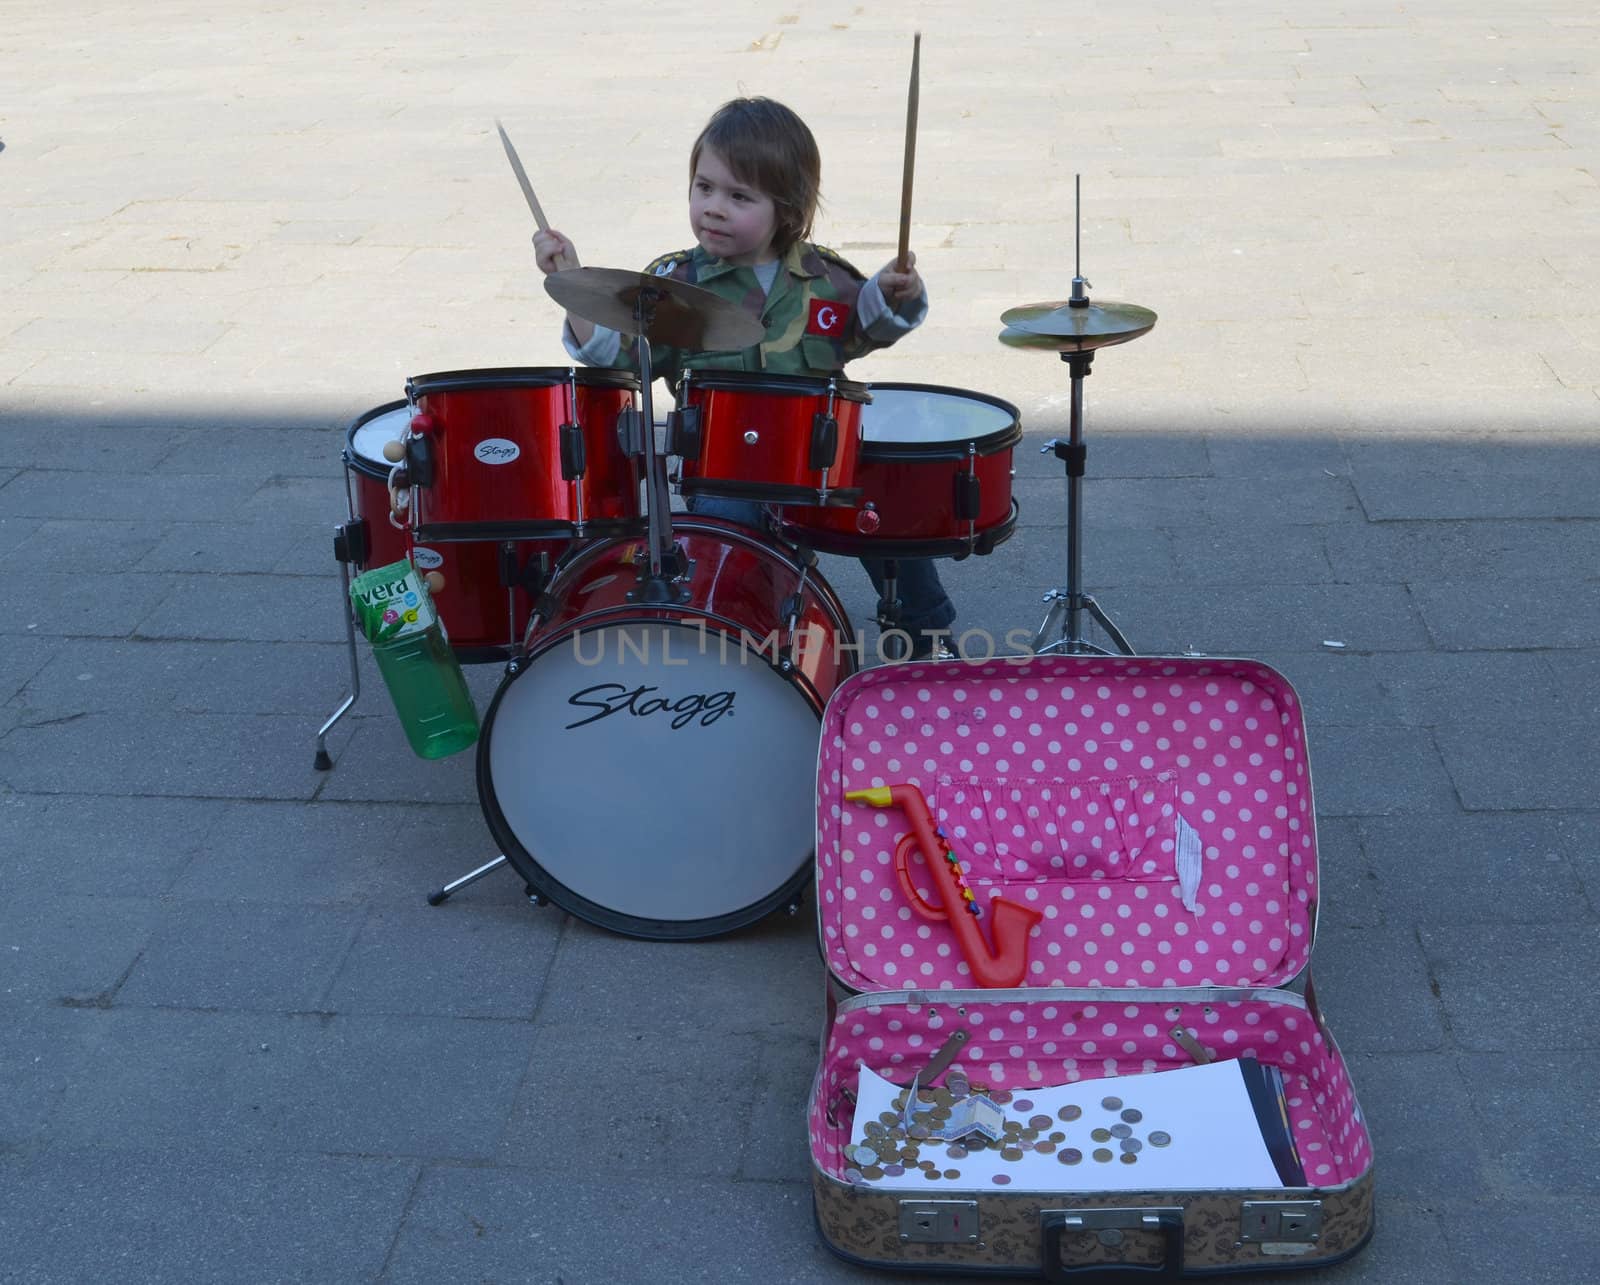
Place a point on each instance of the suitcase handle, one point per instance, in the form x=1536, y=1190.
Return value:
x=1057, y=1222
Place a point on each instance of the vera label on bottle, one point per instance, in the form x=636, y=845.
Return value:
x=392, y=602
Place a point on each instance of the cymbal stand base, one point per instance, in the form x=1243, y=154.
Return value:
x=893, y=642
x=1071, y=602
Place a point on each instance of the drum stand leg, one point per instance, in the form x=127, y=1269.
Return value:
x=1072, y=602
x=893, y=642
x=322, y=763
x=442, y=895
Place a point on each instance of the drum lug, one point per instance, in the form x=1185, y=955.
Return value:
x=350, y=543
x=630, y=433
x=573, y=461
x=824, y=440
x=419, y=461
x=683, y=432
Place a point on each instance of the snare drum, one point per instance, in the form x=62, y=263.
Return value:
x=522, y=454
x=785, y=439
x=935, y=478
x=650, y=766
x=482, y=616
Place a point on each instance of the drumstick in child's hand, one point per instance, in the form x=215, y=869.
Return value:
x=522, y=178
x=901, y=263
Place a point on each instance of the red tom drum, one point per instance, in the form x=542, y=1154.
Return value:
x=483, y=617
x=522, y=454
x=786, y=439
x=650, y=764
x=935, y=478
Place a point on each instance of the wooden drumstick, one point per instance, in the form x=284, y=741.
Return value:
x=911, y=157
x=522, y=178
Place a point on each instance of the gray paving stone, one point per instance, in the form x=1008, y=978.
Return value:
x=336, y=853
x=266, y=1082
x=20, y=659
x=1526, y=1239
x=1577, y=681
x=133, y=1215
x=690, y=983
x=1353, y=968
x=1269, y=453
x=476, y=1222
x=108, y=497
x=1488, y=614
x=1508, y=551
x=96, y=675
x=254, y=608
x=1336, y=688
x=41, y=1055
x=70, y=444
x=295, y=500
x=1477, y=688
x=1349, y=895
x=1502, y=986
x=258, y=451
x=1480, y=477
x=106, y=605
x=220, y=547
x=449, y=961
x=88, y=546
x=1520, y=766
x=108, y=933
x=1113, y=452
x=1529, y=1114
x=218, y=955
x=192, y=755
x=1481, y=868
x=777, y=1143
x=1367, y=771
x=87, y=845
x=14, y=531
x=1228, y=556
x=378, y=765
x=1426, y=1136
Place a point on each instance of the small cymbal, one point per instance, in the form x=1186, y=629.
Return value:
x=1059, y=327
x=684, y=316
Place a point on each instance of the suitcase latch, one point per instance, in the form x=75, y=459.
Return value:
x=939, y=1222
x=1283, y=1221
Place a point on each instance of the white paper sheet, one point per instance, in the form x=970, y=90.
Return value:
x=1195, y=1129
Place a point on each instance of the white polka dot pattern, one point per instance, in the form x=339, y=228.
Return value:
x=1016, y=1044
x=1059, y=781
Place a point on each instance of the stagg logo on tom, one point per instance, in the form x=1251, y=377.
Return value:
x=607, y=699
x=496, y=450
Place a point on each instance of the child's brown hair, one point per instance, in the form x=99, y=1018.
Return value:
x=771, y=149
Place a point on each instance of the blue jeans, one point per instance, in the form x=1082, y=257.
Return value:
x=923, y=602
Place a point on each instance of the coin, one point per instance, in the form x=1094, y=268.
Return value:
x=1011, y=1155
x=1039, y=1122
x=1058, y=1137
x=952, y=1174
x=932, y=1175
x=1069, y=1155
x=888, y=1117
x=1111, y=1104
x=1132, y=1115
x=957, y=1083
x=894, y=1171
x=1044, y=1148
x=1069, y=1113
x=875, y=1129
x=920, y=1131
x=1001, y=1179
x=1102, y=1155
x=1000, y=1097
x=1122, y=1131
x=853, y=1175
x=1101, y=1135
x=1128, y=1158
x=956, y=1153
x=1160, y=1138
x=1023, y=1104
x=872, y=1172
x=1132, y=1146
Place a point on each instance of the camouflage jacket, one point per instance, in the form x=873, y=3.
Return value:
x=811, y=315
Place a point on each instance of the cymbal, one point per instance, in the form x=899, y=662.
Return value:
x=684, y=316
x=1059, y=327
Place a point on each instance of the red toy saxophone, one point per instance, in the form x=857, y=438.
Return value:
x=1007, y=963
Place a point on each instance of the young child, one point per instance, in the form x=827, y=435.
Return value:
x=754, y=178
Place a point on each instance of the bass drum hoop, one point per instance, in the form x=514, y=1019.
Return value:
x=541, y=881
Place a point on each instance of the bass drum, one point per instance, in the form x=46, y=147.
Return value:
x=650, y=764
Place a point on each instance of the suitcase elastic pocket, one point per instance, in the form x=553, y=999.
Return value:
x=1085, y=829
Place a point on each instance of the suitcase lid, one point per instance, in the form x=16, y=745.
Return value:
x=1087, y=790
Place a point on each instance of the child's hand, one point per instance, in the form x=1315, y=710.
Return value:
x=900, y=287
x=553, y=252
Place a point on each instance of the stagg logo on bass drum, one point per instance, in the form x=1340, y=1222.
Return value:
x=496, y=450
x=617, y=698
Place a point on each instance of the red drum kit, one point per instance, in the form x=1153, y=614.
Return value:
x=648, y=760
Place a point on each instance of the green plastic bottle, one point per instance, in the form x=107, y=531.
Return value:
x=424, y=678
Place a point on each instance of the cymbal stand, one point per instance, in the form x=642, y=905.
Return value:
x=1071, y=601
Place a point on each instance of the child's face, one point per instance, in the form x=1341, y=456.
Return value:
x=731, y=220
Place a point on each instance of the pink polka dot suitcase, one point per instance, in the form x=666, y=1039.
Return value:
x=1154, y=818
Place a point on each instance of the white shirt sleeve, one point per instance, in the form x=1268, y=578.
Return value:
x=879, y=321
x=603, y=347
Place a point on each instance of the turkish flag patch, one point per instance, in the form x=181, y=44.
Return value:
x=827, y=318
